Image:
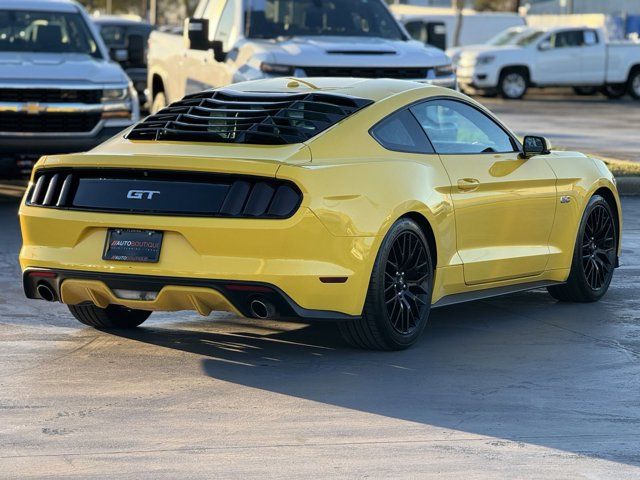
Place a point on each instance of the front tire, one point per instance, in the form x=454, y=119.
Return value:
x=112, y=317
x=594, y=255
x=513, y=84
x=399, y=297
x=633, y=85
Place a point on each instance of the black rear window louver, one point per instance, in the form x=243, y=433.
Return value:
x=248, y=118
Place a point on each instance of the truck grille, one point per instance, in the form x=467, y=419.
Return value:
x=406, y=73
x=48, y=122
x=242, y=117
x=43, y=95
x=151, y=192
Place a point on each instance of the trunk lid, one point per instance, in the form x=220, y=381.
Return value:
x=260, y=160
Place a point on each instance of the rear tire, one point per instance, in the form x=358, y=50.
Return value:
x=112, y=317
x=594, y=255
x=399, y=297
x=513, y=84
x=633, y=85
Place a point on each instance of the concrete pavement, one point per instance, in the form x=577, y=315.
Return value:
x=592, y=124
x=515, y=387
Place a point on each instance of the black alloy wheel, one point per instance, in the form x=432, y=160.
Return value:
x=398, y=300
x=594, y=256
x=407, y=282
x=598, y=247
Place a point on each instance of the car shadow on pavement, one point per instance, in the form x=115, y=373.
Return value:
x=522, y=368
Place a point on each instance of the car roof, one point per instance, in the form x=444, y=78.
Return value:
x=375, y=89
x=41, y=5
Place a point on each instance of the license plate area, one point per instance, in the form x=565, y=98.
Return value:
x=131, y=245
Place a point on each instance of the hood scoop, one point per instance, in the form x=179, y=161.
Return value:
x=361, y=52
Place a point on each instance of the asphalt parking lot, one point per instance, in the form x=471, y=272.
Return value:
x=516, y=387
x=591, y=124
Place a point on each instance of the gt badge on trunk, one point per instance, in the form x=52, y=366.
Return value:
x=128, y=245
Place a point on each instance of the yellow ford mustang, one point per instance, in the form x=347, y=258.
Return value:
x=367, y=202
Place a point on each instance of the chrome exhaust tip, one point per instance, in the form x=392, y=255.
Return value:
x=262, y=309
x=46, y=292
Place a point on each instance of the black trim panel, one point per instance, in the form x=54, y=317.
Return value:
x=491, y=292
x=164, y=192
x=240, y=296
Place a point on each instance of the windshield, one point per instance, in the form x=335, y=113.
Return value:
x=529, y=38
x=48, y=32
x=286, y=18
x=506, y=37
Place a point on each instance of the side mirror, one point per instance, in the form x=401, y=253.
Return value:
x=197, y=31
x=546, y=45
x=136, y=49
x=532, y=146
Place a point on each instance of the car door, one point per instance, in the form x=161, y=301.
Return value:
x=558, y=59
x=504, y=205
x=593, y=58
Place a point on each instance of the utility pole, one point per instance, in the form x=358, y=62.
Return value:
x=516, y=6
x=153, y=12
x=458, y=5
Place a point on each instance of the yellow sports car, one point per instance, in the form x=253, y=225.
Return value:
x=366, y=202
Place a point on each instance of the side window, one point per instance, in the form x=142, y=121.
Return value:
x=226, y=25
x=590, y=38
x=454, y=127
x=571, y=38
x=113, y=35
x=400, y=132
x=417, y=30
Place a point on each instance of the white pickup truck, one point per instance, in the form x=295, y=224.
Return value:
x=561, y=56
x=237, y=40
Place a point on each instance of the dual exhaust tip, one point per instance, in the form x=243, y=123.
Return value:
x=262, y=309
x=46, y=292
x=259, y=307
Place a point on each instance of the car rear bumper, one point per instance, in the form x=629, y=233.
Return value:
x=170, y=293
x=297, y=258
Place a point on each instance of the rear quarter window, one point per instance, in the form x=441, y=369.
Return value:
x=400, y=132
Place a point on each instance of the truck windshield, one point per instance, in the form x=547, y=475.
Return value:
x=46, y=32
x=506, y=37
x=287, y=18
x=529, y=38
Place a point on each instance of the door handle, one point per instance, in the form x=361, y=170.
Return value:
x=468, y=184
